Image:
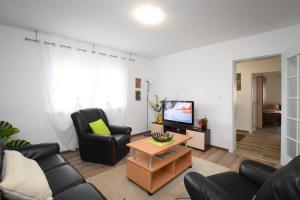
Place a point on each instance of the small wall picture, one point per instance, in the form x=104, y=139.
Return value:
x=238, y=82
x=138, y=83
x=137, y=95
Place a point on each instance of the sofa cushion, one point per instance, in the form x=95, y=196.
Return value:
x=79, y=192
x=99, y=128
x=93, y=114
x=23, y=178
x=51, y=162
x=235, y=185
x=63, y=177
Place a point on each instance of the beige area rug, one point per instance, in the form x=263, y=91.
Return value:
x=115, y=185
x=261, y=145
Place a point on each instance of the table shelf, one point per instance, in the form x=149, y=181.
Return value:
x=162, y=171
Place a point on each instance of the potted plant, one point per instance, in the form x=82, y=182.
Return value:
x=6, y=131
x=157, y=107
x=203, y=123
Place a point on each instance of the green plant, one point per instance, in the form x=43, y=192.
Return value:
x=6, y=131
x=156, y=105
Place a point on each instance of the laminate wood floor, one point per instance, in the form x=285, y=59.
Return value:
x=213, y=154
x=263, y=144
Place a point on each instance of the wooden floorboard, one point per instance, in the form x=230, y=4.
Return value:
x=263, y=144
x=213, y=154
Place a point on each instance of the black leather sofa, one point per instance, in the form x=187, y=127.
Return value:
x=96, y=148
x=253, y=178
x=65, y=181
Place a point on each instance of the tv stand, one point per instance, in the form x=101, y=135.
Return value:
x=200, y=140
x=177, y=128
x=174, y=129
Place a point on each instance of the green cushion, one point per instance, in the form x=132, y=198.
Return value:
x=99, y=128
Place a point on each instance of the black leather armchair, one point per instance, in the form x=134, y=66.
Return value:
x=96, y=148
x=253, y=178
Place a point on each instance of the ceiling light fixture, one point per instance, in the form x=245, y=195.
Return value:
x=149, y=14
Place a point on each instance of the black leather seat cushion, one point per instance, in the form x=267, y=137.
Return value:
x=51, y=162
x=80, y=192
x=235, y=185
x=62, y=178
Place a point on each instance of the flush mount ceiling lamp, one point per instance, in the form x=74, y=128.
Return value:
x=149, y=15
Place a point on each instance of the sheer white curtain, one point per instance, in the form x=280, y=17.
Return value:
x=77, y=80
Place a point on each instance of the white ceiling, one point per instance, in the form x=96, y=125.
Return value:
x=188, y=23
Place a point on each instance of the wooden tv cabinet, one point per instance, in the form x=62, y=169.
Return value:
x=200, y=138
x=151, y=172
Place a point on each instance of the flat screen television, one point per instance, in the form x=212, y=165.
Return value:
x=179, y=112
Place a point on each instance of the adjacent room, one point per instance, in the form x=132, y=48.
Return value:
x=258, y=111
x=149, y=100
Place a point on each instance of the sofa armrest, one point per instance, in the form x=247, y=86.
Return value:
x=124, y=130
x=38, y=151
x=201, y=188
x=255, y=171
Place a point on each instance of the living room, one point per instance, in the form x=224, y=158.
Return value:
x=64, y=57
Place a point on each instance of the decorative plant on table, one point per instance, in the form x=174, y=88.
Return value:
x=162, y=137
x=203, y=123
x=157, y=107
x=6, y=131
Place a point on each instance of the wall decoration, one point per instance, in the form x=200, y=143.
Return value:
x=137, y=95
x=138, y=83
x=238, y=82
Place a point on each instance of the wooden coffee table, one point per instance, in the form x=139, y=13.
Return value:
x=151, y=166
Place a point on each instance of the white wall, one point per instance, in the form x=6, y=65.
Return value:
x=137, y=110
x=206, y=76
x=21, y=100
x=244, y=96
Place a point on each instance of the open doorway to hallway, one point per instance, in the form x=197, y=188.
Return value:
x=258, y=108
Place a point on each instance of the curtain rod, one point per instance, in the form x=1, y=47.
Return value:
x=78, y=49
x=33, y=40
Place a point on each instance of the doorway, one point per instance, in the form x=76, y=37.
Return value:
x=258, y=108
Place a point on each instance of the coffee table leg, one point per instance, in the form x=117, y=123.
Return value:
x=133, y=154
x=150, y=162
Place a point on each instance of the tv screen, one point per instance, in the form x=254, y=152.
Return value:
x=179, y=111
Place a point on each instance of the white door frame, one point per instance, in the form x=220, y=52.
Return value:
x=232, y=145
x=290, y=53
x=253, y=104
